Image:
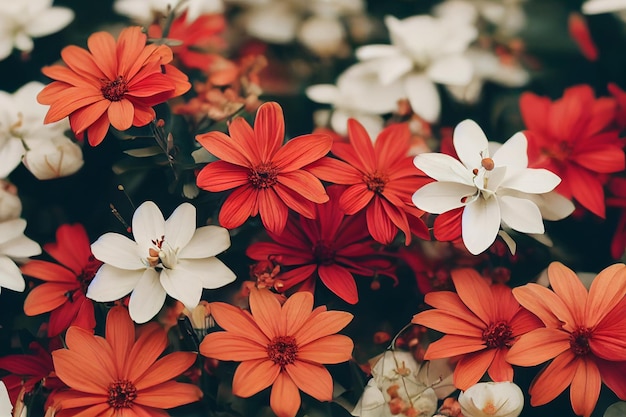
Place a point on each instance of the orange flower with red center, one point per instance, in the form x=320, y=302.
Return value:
x=584, y=335
x=480, y=323
x=119, y=375
x=111, y=84
x=285, y=347
x=267, y=178
x=381, y=179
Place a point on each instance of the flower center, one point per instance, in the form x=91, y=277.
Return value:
x=323, y=253
x=162, y=253
x=489, y=408
x=579, y=341
x=559, y=151
x=114, y=90
x=498, y=335
x=263, y=176
x=122, y=394
x=375, y=182
x=282, y=350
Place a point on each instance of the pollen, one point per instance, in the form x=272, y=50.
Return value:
x=282, y=350
x=498, y=335
x=579, y=341
x=114, y=90
x=263, y=176
x=375, y=182
x=487, y=163
x=122, y=394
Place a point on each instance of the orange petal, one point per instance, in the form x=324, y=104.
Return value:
x=238, y=322
x=70, y=100
x=121, y=114
x=500, y=370
x=120, y=333
x=81, y=62
x=553, y=380
x=84, y=117
x=230, y=347
x=293, y=199
x=451, y=345
x=97, y=131
x=102, y=47
x=538, y=346
x=79, y=373
x=320, y=324
x=272, y=210
x=148, y=347
x=72, y=247
x=570, y=289
x=305, y=184
x=585, y=387
x=266, y=310
x=226, y=149
x=221, y=176
x=242, y=133
x=301, y=151
x=313, y=379
x=166, y=368
x=168, y=394
x=452, y=304
x=392, y=145
x=340, y=281
x=361, y=142
x=355, y=198
x=606, y=291
x=93, y=349
x=130, y=44
x=475, y=293
x=241, y=204
x=285, y=397
x=74, y=399
x=331, y=169
x=269, y=130
x=445, y=322
x=66, y=75
x=254, y=376
x=295, y=312
x=331, y=349
x=47, y=297
x=471, y=368
x=379, y=225
x=543, y=303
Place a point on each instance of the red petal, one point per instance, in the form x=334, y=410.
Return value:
x=272, y=210
x=238, y=207
x=221, y=176
x=339, y=281
x=360, y=140
x=269, y=130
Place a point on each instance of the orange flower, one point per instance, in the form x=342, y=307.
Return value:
x=481, y=323
x=111, y=84
x=585, y=335
x=120, y=375
x=283, y=347
x=267, y=177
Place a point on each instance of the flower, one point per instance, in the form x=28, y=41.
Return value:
x=285, y=347
x=425, y=50
x=14, y=246
x=111, y=84
x=10, y=203
x=491, y=189
x=147, y=11
x=20, y=21
x=119, y=374
x=480, y=322
x=332, y=248
x=580, y=148
x=380, y=177
x=63, y=292
x=167, y=257
x=6, y=408
x=267, y=178
x=492, y=399
x=583, y=335
x=58, y=157
x=603, y=6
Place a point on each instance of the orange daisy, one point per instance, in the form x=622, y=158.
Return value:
x=267, y=178
x=280, y=346
x=481, y=323
x=111, y=84
x=118, y=375
x=584, y=335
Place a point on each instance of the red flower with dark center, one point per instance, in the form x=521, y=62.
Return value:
x=333, y=248
x=382, y=179
x=63, y=293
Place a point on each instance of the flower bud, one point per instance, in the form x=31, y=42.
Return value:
x=492, y=399
x=54, y=158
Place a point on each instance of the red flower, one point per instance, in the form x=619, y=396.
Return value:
x=63, y=293
x=573, y=137
x=197, y=39
x=267, y=178
x=382, y=179
x=332, y=248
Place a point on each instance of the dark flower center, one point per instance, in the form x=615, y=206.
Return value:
x=375, y=182
x=498, y=335
x=323, y=253
x=122, y=394
x=114, y=90
x=263, y=175
x=560, y=151
x=282, y=350
x=579, y=341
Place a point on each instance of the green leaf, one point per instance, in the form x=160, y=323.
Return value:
x=616, y=410
x=144, y=152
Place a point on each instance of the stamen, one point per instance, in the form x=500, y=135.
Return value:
x=263, y=176
x=579, y=341
x=375, y=182
x=282, y=350
x=122, y=394
x=114, y=90
x=498, y=335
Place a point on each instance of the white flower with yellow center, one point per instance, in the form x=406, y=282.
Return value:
x=167, y=258
x=492, y=399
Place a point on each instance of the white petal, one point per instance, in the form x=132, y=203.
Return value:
x=506, y=397
x=323, y=93
x=10, y=275
x=439, y=197
x=6, y=408
x=553, y=206
x=423, y=96
x=50, y=21
x=469, y=93
x=513, y=154
x=147, y=297
x=453, y=70
x=533, y=181
x=6, y=45
x=181, y=226
x=111, y=283
x=361, y=89
x=443, y=167
x=480, y=224
x=206, y=242
x=181, y=285
x=148, y=224
x=508, y=240
x=375, y=51
x=489, y=181
x=392, y=68
x=10, y=156
x=11, y=229
x=371, y=402
x=119, y=251
x=23, y=42
x=465, y=12
x=20, y=247
x=373, y=124
x=521, y=214
x=212, y=272
x=469, y=142
x=603, y=6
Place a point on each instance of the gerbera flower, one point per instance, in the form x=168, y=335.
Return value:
x=574, y=138
x=280, y=346
x=332, y=248
x=583, y=335
x=480, y=322
x=267, y=178
x=63, y=293
x=120, y=375
x=381, y=179
x=111, y=84
x=167, y=257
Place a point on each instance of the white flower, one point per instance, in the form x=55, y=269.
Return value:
x=492, y=399
x=322, y=35
x=23, y=20
x=167, y=257
x=6, y=408
x=507, y=16
x=54, y=158
x=14, y=246
x=492, y=189
x=144, y=11
x=603, y=6
x=10, y=203
x=21, y=122
x=425, y=50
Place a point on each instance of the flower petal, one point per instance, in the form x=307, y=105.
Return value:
x=471, y=368
x=311, y=378
x=538, y=346
x=182, y=286
x=330, y=349
x=452, y=70
x=253, y=376
x=469, y=142
x=269, y=129
x=147, y=298
x=443, y=167
x=480, y=223
x=180, y=226
x=285, y=397
x=423, y=97
x=440, y=197
x=265, y=309
x=521, y=214
x=111, y=283
x=226, y=346
x=552, y=380
x=340, y=281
